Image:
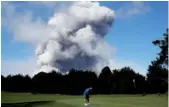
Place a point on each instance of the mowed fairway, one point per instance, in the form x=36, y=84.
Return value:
x=54, y=100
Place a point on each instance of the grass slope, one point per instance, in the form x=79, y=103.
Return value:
x=54, y=100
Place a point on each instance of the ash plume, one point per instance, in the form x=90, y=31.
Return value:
x=72, y=38
x=76, y=38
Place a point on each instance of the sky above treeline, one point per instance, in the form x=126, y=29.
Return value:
x=36, y=35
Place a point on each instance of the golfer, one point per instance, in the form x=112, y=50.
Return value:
x=86, y=94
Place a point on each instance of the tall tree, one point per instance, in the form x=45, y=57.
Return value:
x=162, y=58
x=158, y=70
x=125, y=80
x=104, y=81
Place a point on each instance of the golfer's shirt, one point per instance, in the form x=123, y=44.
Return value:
x=86, y=92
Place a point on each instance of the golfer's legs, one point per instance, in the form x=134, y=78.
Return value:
x=85, y=99
x=88, y=100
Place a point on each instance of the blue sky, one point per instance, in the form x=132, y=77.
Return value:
x=131, y=34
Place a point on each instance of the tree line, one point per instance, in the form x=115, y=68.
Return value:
x=117, y=81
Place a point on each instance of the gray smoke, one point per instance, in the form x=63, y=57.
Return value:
x=72, y=38
x=76, y=38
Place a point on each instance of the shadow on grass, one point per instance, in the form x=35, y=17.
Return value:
x=25, y=104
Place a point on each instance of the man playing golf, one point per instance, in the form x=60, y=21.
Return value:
x=86, y=94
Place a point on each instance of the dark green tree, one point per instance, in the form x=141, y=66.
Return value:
x=104, y=81
x=125, y=80
x=140, y=84
x=162, y=59
x=158, y=70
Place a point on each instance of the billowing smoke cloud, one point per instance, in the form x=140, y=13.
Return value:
x=77, y=38
x=72, y=38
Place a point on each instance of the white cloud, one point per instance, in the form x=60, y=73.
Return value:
x=51, y=4
x=24, y=26
x=29, y=67
x=134, y=8
x=27, y=29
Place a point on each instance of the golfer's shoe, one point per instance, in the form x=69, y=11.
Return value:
x=86, y=104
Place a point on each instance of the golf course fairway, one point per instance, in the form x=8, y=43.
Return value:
x=55, y=100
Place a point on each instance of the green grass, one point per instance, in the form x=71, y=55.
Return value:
x=54, y=100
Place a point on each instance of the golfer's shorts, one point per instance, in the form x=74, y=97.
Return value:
x=87, y=96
